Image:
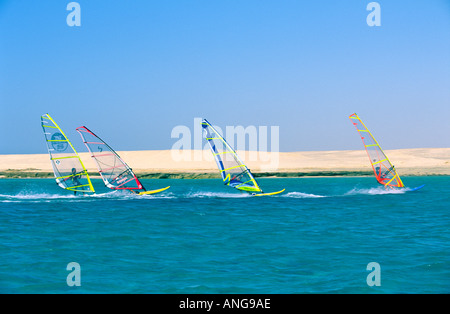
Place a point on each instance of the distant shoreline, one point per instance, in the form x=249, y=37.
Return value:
x=171, y=164
x=17, y=174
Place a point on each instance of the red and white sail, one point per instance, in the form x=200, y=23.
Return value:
x=116, y=174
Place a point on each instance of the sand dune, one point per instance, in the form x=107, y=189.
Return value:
x=420, y=161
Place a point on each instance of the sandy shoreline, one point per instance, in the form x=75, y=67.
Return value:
x=420, y=161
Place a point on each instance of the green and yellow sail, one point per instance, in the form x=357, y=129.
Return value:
x=70, y=173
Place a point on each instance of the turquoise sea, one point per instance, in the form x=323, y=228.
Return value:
x=202, y=237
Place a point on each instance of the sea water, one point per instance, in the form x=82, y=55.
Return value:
x=203, y=237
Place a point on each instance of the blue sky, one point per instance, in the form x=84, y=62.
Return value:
x=136, y=69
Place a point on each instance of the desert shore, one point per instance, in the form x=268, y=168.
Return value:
x=182, y=164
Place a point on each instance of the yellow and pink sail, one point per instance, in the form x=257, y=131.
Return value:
x=383, y=169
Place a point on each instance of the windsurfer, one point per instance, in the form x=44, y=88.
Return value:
x=377, y=169
x=75, y=179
